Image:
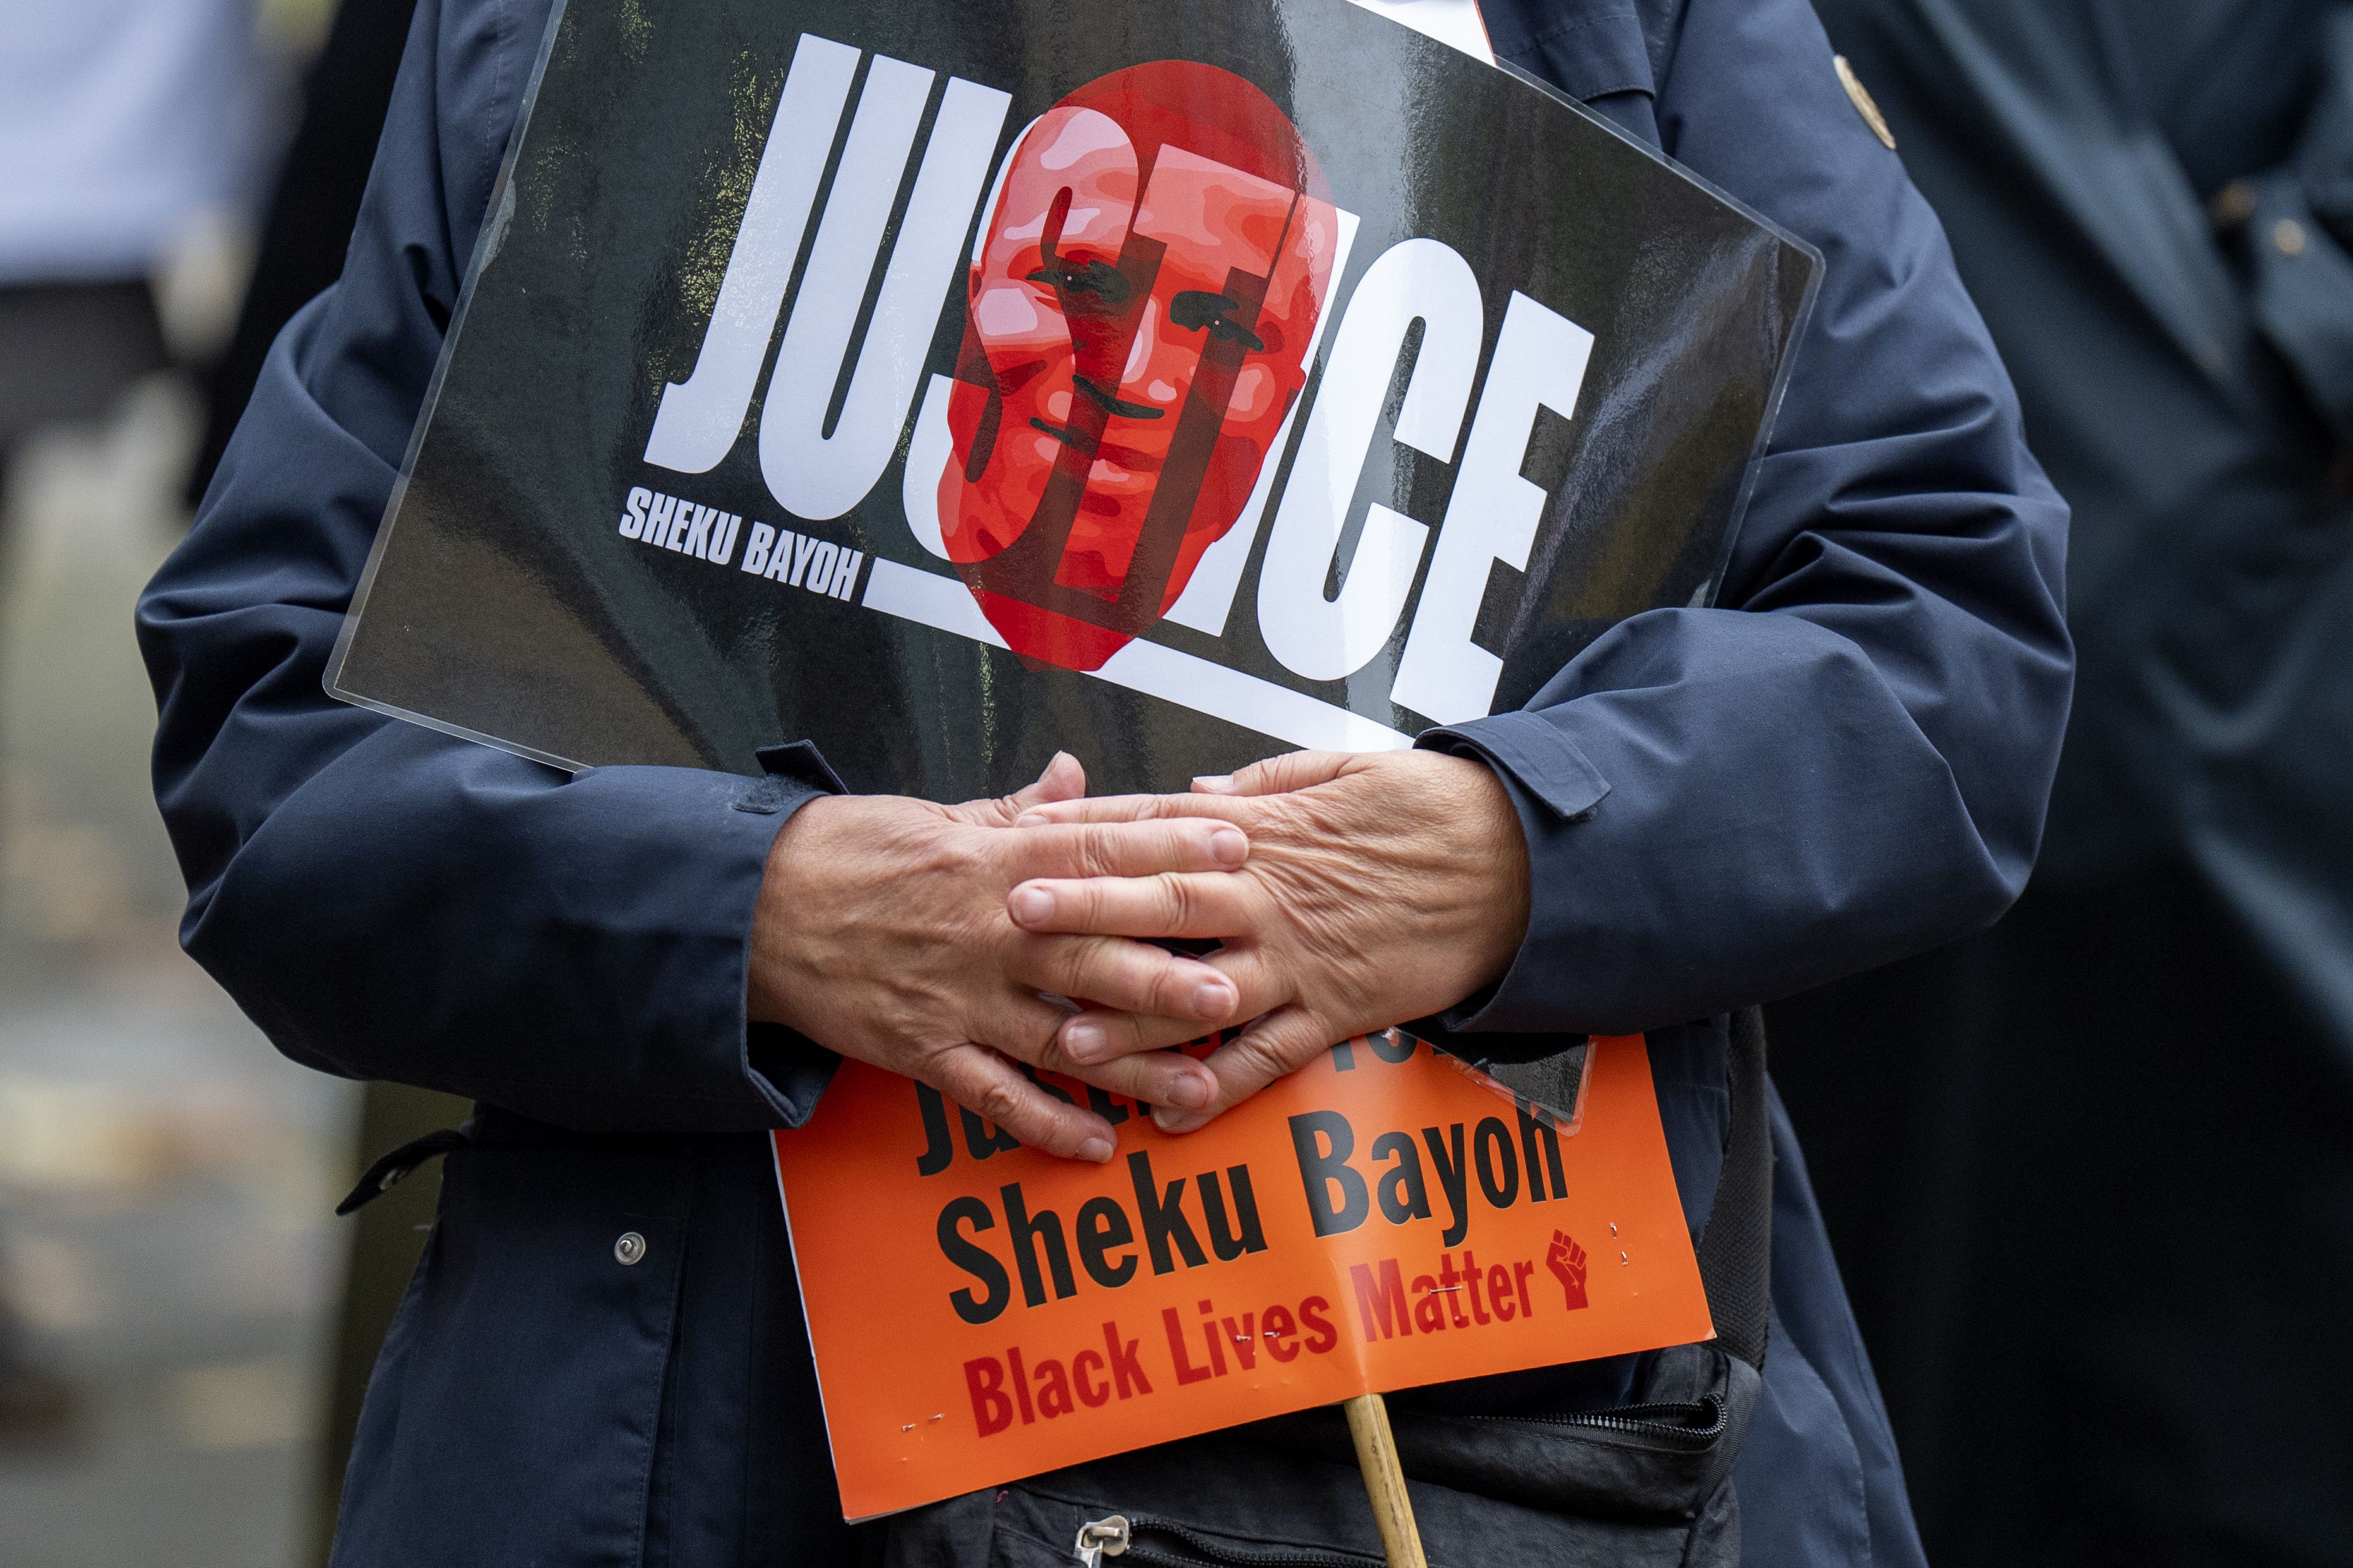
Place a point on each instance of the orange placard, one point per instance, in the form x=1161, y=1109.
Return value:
x=1382, y=1218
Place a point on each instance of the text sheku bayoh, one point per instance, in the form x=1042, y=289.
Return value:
x=1209, y=1217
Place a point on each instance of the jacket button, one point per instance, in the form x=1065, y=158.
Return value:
x=630, y=1248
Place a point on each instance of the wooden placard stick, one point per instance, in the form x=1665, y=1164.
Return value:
x=1368, y=1423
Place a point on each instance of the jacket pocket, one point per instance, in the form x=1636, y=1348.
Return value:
x=1229, y=1505
x=1152, y=1542
x=511, y=1417
x=1067, y=1521
x=1637, y=1487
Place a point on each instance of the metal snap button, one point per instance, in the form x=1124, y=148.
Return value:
x=2233, y=204
x=630, y=1248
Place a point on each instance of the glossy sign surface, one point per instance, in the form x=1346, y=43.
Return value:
x=949, y=384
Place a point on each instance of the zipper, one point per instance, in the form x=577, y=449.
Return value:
x=1116, y=1537
x=1694, y=1424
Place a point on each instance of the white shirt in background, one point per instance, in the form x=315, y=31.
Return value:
x=121, y=123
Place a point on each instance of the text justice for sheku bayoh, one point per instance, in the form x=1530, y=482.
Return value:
x=1184, y=1221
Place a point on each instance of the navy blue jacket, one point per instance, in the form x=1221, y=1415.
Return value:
x=1847, y=763
x=2159, y=221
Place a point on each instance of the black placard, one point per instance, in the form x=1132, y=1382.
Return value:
x=1173, y=382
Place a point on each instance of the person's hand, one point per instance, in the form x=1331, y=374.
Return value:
x=882, y=933
x=1378, y=889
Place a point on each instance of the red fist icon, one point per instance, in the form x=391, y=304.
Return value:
x=1566, y=1261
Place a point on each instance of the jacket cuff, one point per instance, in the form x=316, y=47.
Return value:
x=1531, y=751
x=787, y=1069
x=1553, y=787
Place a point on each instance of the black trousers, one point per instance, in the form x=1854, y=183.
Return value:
x=2090, y=1176
x=67, y=350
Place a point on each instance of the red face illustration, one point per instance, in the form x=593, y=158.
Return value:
x=1140, y=316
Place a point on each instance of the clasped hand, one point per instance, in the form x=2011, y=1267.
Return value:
x=1349, y=893
x=1379, y=888
x=882, y=933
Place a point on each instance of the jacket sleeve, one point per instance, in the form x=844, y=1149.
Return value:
x=1848, y=762
x=385, y=902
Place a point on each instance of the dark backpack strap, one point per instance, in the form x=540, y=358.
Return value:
x=1735, y=1251
x=396, y=1167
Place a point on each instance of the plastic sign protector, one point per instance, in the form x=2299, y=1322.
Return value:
x=951, y=385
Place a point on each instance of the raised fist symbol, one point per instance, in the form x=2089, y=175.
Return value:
x=1566, y=1261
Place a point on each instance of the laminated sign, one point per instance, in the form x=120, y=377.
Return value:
x=1381, y=1218
x=1171, y=382
x=951, y=382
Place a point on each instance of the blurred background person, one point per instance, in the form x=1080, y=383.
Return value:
x=127, y=132
x=147, y=275
x=304, y=232
x=307, y=224
x=2091, y=1175
x=166, y=1254
x=125, y=128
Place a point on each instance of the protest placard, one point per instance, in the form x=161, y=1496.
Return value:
x=1382, y=1218
x=952, y=382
